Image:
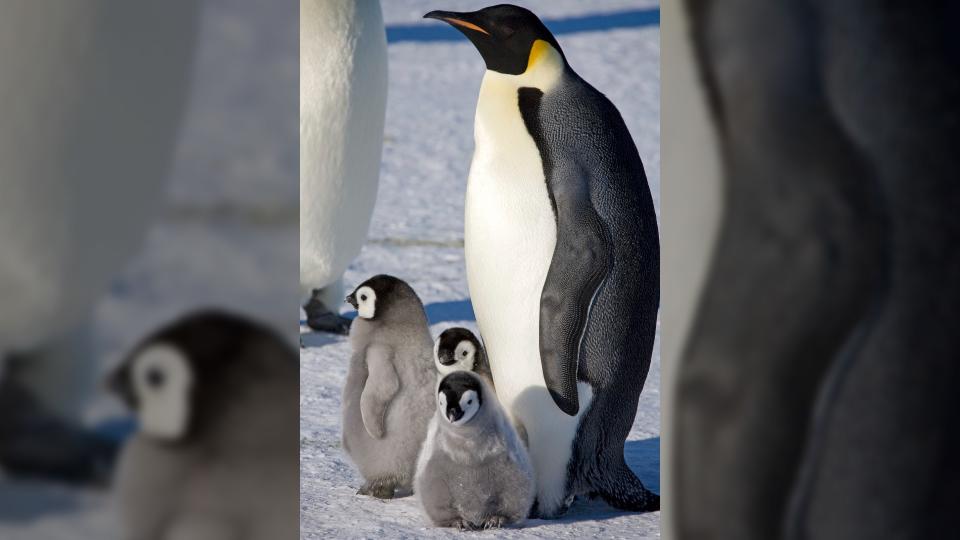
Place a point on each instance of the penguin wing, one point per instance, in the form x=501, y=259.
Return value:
x=581, y=261
x=381, y=386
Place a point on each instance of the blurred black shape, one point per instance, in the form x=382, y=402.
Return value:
x=818, y=387
x=34, y=443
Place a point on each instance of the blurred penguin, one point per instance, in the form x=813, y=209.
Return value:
x=91, y=94
x=217, y=401
x=343, y=97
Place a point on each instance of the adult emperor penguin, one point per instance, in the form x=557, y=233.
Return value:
x=91, y=95
x=217, y=400
x=562, y=255
x=343, y=99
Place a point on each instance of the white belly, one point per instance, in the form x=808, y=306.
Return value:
x=509, y=239
x=83, y=152
x=343, y=91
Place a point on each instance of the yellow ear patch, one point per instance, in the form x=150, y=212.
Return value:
x=539, y=50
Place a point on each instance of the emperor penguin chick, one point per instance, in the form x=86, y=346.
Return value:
x=216, y=456
x=460, y=349
x=387, y=399
x=473, y=472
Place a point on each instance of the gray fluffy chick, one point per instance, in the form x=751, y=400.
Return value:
x=387, y=399
x=473, y=472
x=460, y=349
x=216, y=455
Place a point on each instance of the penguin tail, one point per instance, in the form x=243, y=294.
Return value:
x=621, y=489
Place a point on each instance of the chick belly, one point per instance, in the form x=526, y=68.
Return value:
x=509, y=243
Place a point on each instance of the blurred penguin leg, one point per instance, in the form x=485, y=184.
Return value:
x=796, y=267
x=39, y=436
x=322, y=312
x=882, y=463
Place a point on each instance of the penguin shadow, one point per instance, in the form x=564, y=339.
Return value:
x=437, y=312
x=440, y=312
x=643, y=458
x=310, y=339
x=450, y=311
x=23, y=502
x=630, y=18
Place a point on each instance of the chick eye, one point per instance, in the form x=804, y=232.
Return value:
x=363, y=297
x=464, y=353
x=155, y=378
x=469, y=402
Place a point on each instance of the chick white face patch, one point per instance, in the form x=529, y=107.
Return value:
x=464, y=355
x=366, y=302
x=469, y=404
x=162, y=379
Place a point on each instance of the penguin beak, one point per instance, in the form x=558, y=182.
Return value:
x=454, y=414
x=352, y=300
x=465, y=22
x=117, y=383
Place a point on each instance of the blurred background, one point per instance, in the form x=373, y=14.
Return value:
x=219, y=226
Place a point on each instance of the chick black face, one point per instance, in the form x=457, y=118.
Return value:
x=459, y=397
x=456, y=348
x=382, y=297
x=504, y=35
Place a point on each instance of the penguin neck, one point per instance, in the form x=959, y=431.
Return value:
x=474, y=442
x=499, y=91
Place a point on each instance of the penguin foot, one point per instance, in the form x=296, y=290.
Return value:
x=322, y=319
x=36, y=444
x=494, y=522
x=380, y=489
x=538, y=513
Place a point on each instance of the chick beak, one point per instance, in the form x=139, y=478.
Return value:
x=454, y=414
x=352, y=300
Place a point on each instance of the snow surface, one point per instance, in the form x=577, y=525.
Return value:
x=229, y=238
x=417, y=235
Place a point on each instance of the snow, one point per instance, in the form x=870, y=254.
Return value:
x=228, y=238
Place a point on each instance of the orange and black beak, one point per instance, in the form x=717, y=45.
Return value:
x=465, y=22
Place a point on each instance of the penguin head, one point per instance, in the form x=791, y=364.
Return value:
x=386, y=298
x=511, y=39
x=179, y=379
x=456, y=349
x=459, y=397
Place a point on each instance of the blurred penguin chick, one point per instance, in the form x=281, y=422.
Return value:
x=216, y=397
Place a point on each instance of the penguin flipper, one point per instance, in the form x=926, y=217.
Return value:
x=378, y=391
x=581, y=261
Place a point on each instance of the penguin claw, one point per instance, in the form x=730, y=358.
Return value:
x=378, y=489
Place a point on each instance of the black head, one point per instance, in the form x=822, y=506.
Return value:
x=503, y=34
x=384, y=297
x=458, y=347
x=177, y=379
x=459, y=397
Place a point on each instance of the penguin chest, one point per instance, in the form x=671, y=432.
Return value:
x=510, y=235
